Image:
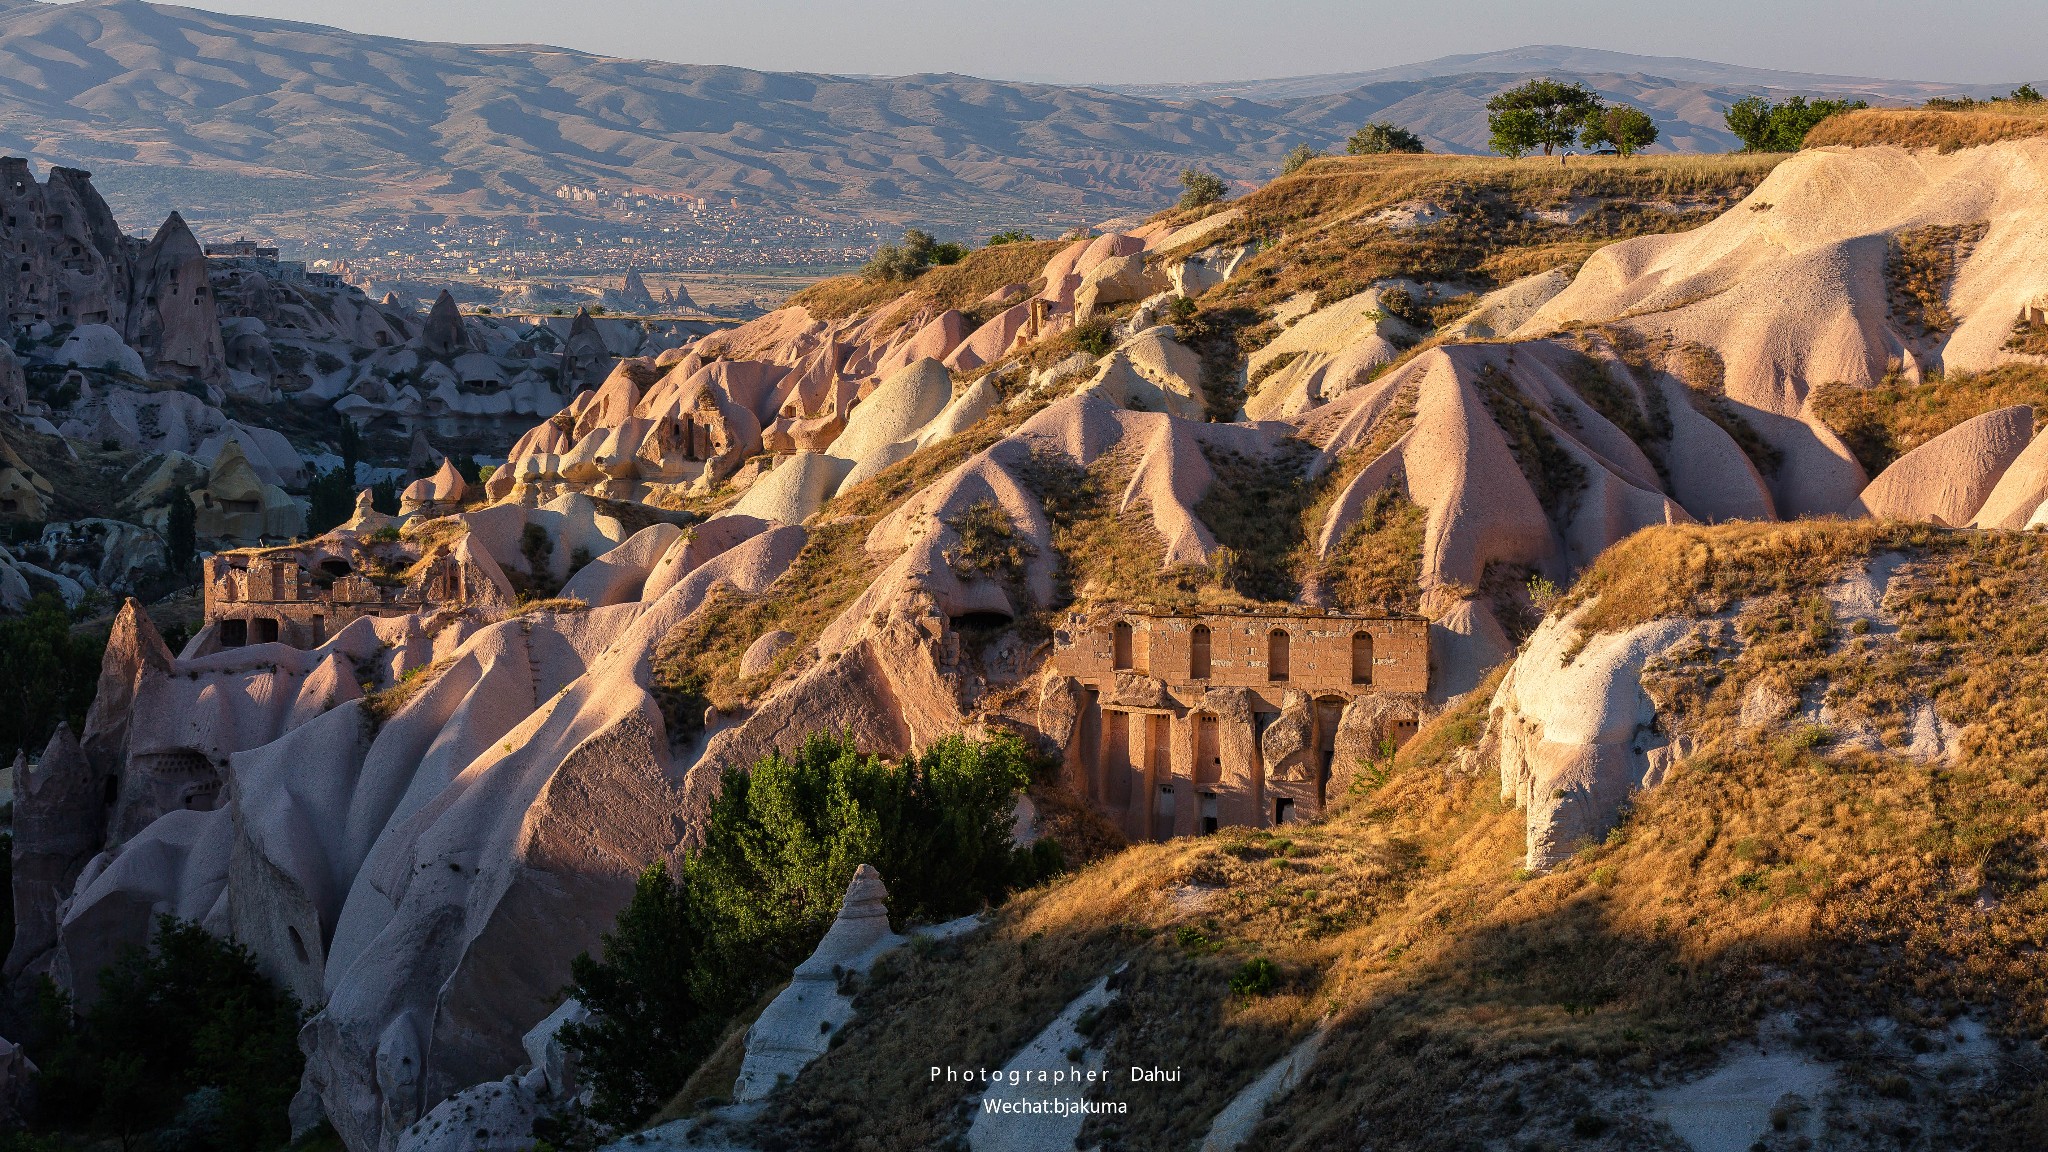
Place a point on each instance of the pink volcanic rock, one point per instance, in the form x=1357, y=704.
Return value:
x=990, y=341
x=2022, y=489
x=1948, y=478
x=1105, y=247
x=1061, y=266
x=935, y=341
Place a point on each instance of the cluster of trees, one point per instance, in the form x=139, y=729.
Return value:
x=48, y=673
x=918, y=251
x=189, y=1047
x=1381, y=137
x=1550, y=114
x=1782, y=127
x=699, y=944
x=2025, y=94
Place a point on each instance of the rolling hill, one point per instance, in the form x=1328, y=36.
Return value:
x=296, y=127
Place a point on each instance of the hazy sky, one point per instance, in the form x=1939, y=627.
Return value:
x=1154, y=41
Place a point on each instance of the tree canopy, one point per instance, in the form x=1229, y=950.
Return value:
x=1200, y=188
x=1544, y=113
x=1627, y=128
x=1380, y=137
x=701, y=942
x=1766, y=127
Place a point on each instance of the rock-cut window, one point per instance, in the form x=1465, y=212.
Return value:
x=1361, y=657
x=1276, y=655
x=1120, y=645
x=1198, y=653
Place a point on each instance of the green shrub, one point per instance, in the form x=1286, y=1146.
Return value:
x=1199, y=188
x=1766, y=127
x=1381, y=137
x=918, y=251
x=781, y=843
x=1255, y=977
x=187, y=1036
x=1010, y=237
x=1298, y=159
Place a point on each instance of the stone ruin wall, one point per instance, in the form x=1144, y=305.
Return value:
x=1186, y=724
x=261, y=600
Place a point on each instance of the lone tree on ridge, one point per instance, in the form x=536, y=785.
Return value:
x=1544, y=114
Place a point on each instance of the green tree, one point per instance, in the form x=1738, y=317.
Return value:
x=350, y=445
x=384, y=496
x=1199, y=188
x=781, y=842
x=2025, y=94
x=181, y=541
x=1543, y=113
x=1380, y=137
x=331, y=499
x=48, y=673
x=650, y=1023
x=1013, y=236
x=1766, y=127
x=1628, y=128
x=191, y=1013
x=1297, y=159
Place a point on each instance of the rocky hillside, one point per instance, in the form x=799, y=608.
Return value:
x=228, y=109
x=1757, y=781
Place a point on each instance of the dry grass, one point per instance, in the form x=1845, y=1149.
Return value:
x=1943, y=131
x=551, y=605
x=2028, y=339
x=962, y=285
x=1881, y=424
x=1478, y=1005
x=1920, y=270
x=698, y=662
x=383, y=705
x=1690, y=569
x=1377, y=565
x=1319, y=239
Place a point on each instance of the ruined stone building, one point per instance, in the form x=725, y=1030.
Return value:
x=1184, y=724
x=260, y=599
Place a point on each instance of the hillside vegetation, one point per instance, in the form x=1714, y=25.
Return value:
x=1944, y=130
x=1873, y=900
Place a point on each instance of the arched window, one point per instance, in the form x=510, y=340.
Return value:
x=1361, y=657
x=1198, y=653
x=1276, y=655
x=1120, y=645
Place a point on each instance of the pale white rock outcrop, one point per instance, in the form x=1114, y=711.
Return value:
x=1004, y=1119
x=1576, y=732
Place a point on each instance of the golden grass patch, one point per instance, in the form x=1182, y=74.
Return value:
x=1882, y=423
x=1943, y=131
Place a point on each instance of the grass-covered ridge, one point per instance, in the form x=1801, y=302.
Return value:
x=1943, y=130
x=1475, y=1004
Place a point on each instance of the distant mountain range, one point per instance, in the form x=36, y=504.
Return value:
x=1562, y=59
x=277, y=121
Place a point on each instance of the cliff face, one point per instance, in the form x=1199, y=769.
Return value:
x=171, y=319
x=66, y=260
